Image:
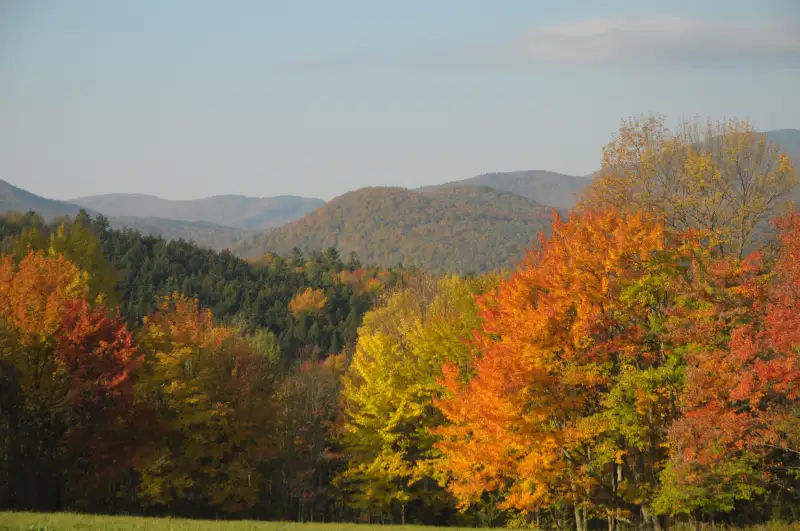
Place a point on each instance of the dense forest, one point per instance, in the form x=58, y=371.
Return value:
x=638, y=368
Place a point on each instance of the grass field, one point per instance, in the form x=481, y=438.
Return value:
x=68, y=521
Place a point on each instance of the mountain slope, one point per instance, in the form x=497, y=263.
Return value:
x=456, y=229
x=545, y=187
x=14, y=199
x=251, y=213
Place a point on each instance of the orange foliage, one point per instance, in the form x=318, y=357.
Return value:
x=309, y=301
x=552, y=337
x=32, y=294
x=76, y=362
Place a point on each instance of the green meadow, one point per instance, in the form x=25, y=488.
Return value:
x=24, y=521
x=18, y=521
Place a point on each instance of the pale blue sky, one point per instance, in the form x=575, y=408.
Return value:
x=191, y=98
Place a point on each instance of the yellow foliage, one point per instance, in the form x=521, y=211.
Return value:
x=206, y=381
x=721, y=177
x=391, y=383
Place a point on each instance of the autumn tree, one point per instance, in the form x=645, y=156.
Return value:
x=76, y=241
x=723, y=177
x=82, y=247
x=309, y=301
x=389, y=390
x=207, y=385
x=740, y=429
x=573, y=391
x=71, y=367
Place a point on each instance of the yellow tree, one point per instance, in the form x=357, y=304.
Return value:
x=722, y=177
x=79, y=245
x=389, y=390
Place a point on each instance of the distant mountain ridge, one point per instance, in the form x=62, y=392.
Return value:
x=788, y=140
x=545, y=187
x=248, y=213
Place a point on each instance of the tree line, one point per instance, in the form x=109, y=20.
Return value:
x=640, y=367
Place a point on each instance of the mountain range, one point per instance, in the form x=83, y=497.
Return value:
x=477, y=224
x=215, y=236
x=248, y=213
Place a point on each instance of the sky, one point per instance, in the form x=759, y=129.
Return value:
x=192, y=98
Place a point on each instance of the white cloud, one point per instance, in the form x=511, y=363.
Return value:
x=633, y=41
x=664, y=39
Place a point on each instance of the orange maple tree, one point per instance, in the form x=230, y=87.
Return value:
x=573, y=388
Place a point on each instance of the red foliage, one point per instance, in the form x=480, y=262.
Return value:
x=99, y=356
x=744, y=397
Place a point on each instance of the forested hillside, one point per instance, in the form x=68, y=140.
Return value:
x=459, y=229
x=14, y=199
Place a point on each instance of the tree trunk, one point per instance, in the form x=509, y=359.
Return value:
x=646, y=517
x=649, y=519
x=581, y=519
